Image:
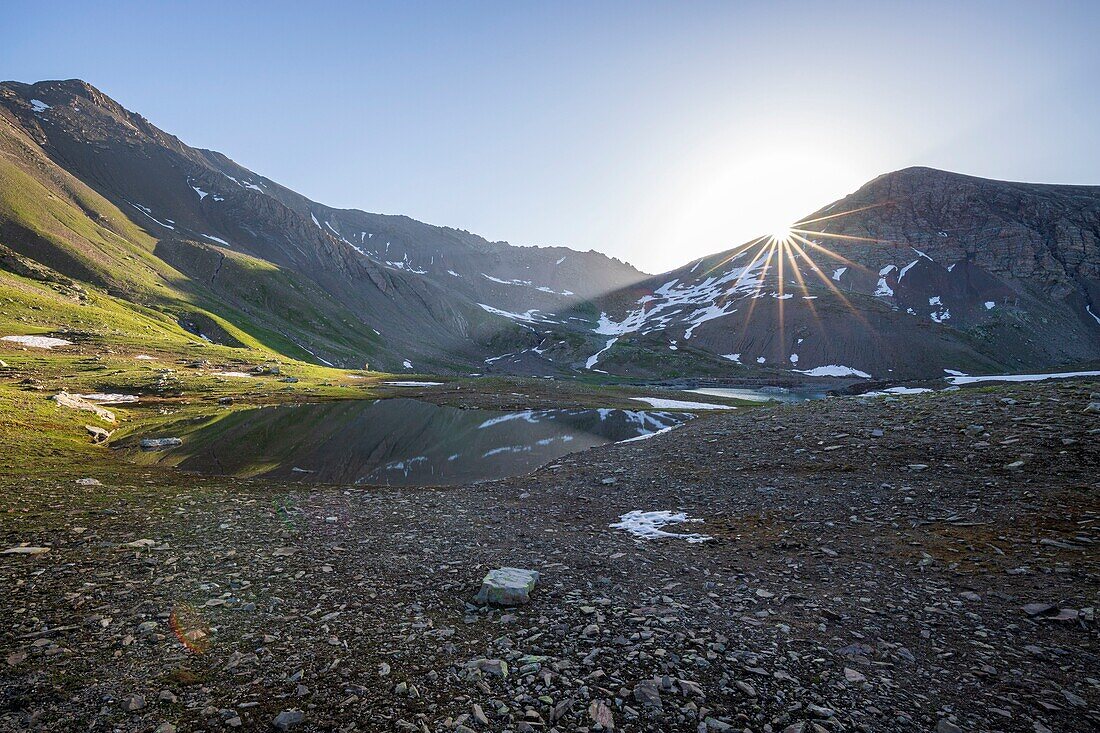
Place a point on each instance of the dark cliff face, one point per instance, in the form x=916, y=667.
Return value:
x=916, y=272
x=416, y=292
x=1044, y=236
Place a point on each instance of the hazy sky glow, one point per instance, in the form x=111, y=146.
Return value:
x=654, y=132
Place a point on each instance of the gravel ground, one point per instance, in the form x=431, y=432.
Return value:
x=910, y=564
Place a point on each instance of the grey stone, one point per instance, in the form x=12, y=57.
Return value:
x=647, y=693
x=496, y=667
x=745, y=687
x=99, y=435
x=288, y=719
x=1038, y=609
x=854, y=675
x=507, y=587
x=946, y=726
x=601, y=715
x=130, y=703
x=1075, y=700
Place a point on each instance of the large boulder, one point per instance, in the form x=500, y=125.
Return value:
x=507, y=587
x=99, y=435
x=76, y=402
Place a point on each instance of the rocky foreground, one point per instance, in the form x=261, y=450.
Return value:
x=894, y=564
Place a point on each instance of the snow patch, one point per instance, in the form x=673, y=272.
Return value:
x=834, y=370
x=38, y=342
x=906, y=269
x=662, y=403
x=527, y=416
x=595, y=357
x=647, y=436
x=531, y=316
x=839, y=273
x=108, y=398
x=527, y=283
x=149, y=213
x=39, y=105
x=649, y=525
x=711, y=298
x=1017, y=377
x=896, y=391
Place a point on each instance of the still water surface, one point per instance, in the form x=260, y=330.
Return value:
x=393, y=442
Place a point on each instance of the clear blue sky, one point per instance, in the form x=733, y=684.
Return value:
x=654, y=132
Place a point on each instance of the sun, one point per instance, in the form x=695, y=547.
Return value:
x=781, y=233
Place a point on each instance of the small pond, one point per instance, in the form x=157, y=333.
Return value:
x=393, y=442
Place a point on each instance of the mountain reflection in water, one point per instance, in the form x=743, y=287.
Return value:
x=393, y=442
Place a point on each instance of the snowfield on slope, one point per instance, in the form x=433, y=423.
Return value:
x=663, y=403
x=711, y=299
x=38, y=342
x=958, y=380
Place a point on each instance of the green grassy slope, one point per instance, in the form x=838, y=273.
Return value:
x=56, y=221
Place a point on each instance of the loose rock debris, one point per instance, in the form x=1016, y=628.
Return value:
x=841, y=590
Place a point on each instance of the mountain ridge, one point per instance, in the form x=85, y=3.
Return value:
x=917, y=271
x=141, y=168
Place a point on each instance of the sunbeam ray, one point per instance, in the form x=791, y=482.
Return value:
x=845, y=236
x=829, y=252
x=839, y=214
x=733, y=253
x=829, y=284
x=791, y=251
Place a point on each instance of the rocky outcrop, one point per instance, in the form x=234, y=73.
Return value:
x=917, y=272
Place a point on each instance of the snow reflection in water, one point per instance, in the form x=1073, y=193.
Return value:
x=395, y=442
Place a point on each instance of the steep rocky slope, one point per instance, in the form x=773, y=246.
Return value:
x=343, y=286
x=876, y=565
x=917, y=272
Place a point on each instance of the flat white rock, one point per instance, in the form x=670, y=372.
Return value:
x=507, y=586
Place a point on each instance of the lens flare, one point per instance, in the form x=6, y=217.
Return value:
x=792, y=248
x=190, y=628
